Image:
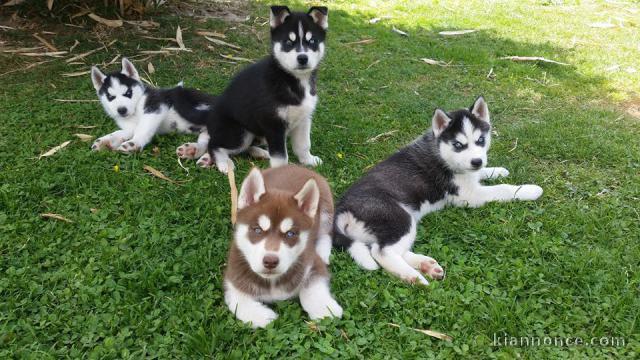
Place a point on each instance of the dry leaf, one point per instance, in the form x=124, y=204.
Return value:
x=143, y=23
x=229, y=57
x=179, y=38
x=234, y=192
x=55, y=149
x=76, y=43
x=13, y=2
x=55, y=216
x=456, y=32
x=532, y=58
x=224, y=43
x=435, y=334
x=45, y=42
x=107, y=22
x=211, y=33
x=84, y=137
x=383, y=135
x=361, y=42
x=158, y=174
x=50, y=4
x=434, y=62
x=80, y=13
x=398, y=31
x=79, y=73
x=51, y=54
x=85, y=126
x=150, y=68
x=154, y=52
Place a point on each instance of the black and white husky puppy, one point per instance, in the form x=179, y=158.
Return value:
x=376, y=218
x=142, y=111
x=275, y=97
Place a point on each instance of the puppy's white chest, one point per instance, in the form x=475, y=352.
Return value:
x=295, y=114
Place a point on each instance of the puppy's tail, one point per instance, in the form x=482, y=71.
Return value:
x=346, y=231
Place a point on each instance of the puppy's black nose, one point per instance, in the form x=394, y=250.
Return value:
x=122, y=111
x=270, y=261
x=476, y=163
x=303, y=59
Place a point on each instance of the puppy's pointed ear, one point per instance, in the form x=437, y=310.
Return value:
x=252, y=189
x=320, y=15
x=278, y=15
x=439, y=122
x=97, y=77
x=481, y=110
x=308, y=198
x=129, y=70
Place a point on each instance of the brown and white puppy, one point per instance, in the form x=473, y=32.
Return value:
x=281, y=245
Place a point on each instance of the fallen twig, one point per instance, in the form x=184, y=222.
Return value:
x=234, y=191
x=398, y=31
x=85, y=54
x=55, y=216
x=434, y=62
x=158, y=174
x=45, y=42
x=532, y=58
x=361, y=42
x=76, y=100
x=435, y=334
x=456, y=32
x=107, y=22
x=223, y=43
x=383, y=135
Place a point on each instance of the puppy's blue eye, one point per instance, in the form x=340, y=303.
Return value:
x=458, y=145
x=312, y=41
x=257, y=230
x=289, y=234
x=480, y=141
x=110, y=97
x=289, y=43
x=128, y=93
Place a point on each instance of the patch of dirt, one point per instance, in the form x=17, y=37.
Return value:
x=632, y=107
x=231, y=11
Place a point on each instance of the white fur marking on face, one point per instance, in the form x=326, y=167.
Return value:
x=286, y=225
x=264, y=222
x=300, y=31
x=292, y=36
x=461, y=138
x=203, y=107
x=308, y=35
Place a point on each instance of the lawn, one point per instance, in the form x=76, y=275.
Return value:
x=138, y=271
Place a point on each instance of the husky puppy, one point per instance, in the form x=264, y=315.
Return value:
x=376, y=218
x=143, y=111
x=275, y=97
x=281, y=245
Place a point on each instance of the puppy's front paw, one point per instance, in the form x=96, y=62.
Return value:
x=129, y=147
x=205, y=161
x=101, y=144
x=261, y=317
x=432, y=268
x=188, y=151
x=498, y=172
x=330, y=309
x=528, y=192
x=311, y=160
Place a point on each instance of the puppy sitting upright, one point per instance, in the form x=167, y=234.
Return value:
x=284, y=220
x=275, y=97
x=142, y=111
x=376, y=218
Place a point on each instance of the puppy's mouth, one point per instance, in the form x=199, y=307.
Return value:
x=269, y=274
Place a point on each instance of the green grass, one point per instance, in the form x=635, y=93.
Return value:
x=141, y=276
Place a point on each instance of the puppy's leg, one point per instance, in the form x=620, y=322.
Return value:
x=144, y=132
x=258, y=153
x=111, y=141
x=196, y=149
x=493, y=173
x=316, y=299
x=425, y=264
x=503, y=192
x=323, y=244
x=276, y=141
x=301, y=144
x=391, y=257
x=246, y=308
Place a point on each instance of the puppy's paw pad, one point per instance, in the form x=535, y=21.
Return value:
x=529, y=192
x=101, y=144
x=187, y=151
x=129, y=147
x=433, y=269
x=205, y=161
